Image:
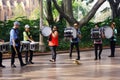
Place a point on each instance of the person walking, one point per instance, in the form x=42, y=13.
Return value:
x=53, y=43
x=75, y=42
x=15, y=45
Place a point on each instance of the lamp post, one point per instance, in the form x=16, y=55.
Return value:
x=41, y=43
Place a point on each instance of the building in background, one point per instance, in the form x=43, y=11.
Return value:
x=7, y=7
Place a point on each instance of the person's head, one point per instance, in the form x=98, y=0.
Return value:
x=76, y=25
x=54, y=28
x=96, y=26
x=27, y=27
x=112, y=24
x=16, y=24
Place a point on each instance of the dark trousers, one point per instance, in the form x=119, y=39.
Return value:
x=0, y=58
x=98, y=47
x=14, y=53
x=26, y=56
x=77, y=48
x=53, y=51
x=112, y=47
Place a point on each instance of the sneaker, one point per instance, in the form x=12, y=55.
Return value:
x=52, y=60
x=78, y=59
x=2, y=66
x=13, y=66
x=111, y=56
x=23, y=65
x=31, y=62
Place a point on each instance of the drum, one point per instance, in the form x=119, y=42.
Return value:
x=108, y=32
x=46, y=31
x=25, y=45
x=4, y=47
x=34, y=46
x=96, y=33
x=70, y=32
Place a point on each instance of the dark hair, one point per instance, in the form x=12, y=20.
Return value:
x=97, y=24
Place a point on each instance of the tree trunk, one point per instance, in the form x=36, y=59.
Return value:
x=114, y=4
x=49, y=12
x=91, y=12
x=70, y=19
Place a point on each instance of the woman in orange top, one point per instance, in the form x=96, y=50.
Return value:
x=53, y=42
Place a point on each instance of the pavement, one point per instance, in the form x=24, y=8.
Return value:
x=64, y=68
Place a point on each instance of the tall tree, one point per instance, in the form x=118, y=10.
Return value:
x=115, y=7
x=83, y=21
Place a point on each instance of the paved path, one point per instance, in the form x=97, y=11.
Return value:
x=65, y=69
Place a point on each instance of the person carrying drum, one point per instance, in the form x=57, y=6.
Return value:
x=75, y=42
x=53, y=42
x=1, y=65
x=97, y=40
x=28, y=37
x=15, y=45
x=113, y=40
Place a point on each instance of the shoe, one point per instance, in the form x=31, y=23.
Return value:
x=99, y=57
x=78, y=59
x=23, y=65
x=31, y=62
x=95, y=59
x=52, y=60
x=13, y=66
x=27, y=63
x=2, y=66
x=111, y=56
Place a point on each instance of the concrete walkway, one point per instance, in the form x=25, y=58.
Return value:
x=65, y=69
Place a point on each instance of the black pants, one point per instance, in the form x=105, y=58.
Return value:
x=26, y=56
x=53, y=51
x=98, y=47
x=112, y=47
x=14, y=53
x=77, y=48
x=0, y=58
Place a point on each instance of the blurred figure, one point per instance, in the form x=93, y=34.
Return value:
x=1, y=65
x=113, y=39
x=28, y=37
x=75, y=42
x=53, y=42
x=98, y=43
x=15, y=44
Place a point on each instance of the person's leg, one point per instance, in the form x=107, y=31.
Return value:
x=20, y=56
x=1, y=60
x=78, y=51
x=31, y=57
x=13, y=56
x=96, y=48
x=100, y=50
x=26, y=57
x=71, y=48
x=52, y=48
x=113, y=49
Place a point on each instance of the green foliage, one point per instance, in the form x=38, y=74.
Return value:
x=6, y=26
x=86, y=41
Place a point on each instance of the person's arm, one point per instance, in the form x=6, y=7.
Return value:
x=26, y=36
x=12, y=33
x=55, y=33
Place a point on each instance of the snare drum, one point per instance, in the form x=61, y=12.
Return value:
x=34, y=46
x=4, y=47
x=25, y=45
